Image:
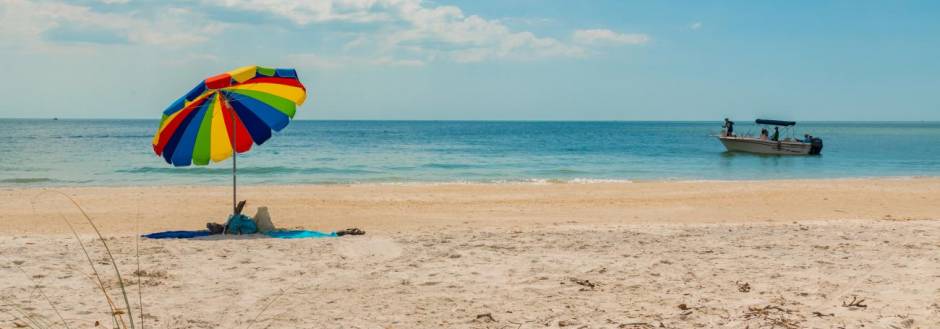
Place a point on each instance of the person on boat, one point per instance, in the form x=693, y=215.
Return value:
x=776, y=134
x=807, y=138
x=763, y=134
x=729, y=127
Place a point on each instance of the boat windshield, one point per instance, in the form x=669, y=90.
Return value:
x=775, y=122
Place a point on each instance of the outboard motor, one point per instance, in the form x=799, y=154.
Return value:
x=816, y=146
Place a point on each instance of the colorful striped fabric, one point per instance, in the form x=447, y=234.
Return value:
x=197, y=127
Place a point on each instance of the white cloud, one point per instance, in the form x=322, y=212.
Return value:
x=604, y=36
x=473, y=38
x=318, y=62
x=418, y=29
x=305, y=12
x=174, y=27
x=695, y=26
x=389, y=32
x=27, y=24
x=527, y=21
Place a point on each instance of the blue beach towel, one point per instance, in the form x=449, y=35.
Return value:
x=296, y=234
x=177, y=235
x=300, y=234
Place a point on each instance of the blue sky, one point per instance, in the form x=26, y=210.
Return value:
x=484, y=59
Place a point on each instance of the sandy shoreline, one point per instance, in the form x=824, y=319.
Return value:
x=677, y=254
x=392, y=208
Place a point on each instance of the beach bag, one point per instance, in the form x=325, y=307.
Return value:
x=241, y=224
x=263, y=220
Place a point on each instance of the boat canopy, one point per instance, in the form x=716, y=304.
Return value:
x=775, y=122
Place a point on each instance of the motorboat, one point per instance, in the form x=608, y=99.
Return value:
x=767, y=144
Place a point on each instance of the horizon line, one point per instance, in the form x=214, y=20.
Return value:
x=486, y=120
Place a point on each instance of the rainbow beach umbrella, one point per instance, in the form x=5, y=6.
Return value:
x=226, y=114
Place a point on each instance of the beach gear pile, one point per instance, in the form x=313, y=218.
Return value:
x=240, y=224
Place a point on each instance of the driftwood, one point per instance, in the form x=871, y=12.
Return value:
x=588, y=285
x=485, y=317
x=855, y=303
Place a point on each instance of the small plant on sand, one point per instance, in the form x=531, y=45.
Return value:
x=122, y=318
x=771, y=316
x=25, y=316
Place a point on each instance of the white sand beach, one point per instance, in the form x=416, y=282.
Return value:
x=762, y=254
x=470, y=164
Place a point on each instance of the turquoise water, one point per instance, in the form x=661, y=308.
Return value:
x=118, y=152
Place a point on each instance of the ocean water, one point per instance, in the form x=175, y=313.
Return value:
x=118, y=152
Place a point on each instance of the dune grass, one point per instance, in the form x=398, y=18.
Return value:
x=121, y=318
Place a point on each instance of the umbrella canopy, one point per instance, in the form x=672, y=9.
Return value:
x=232, y=110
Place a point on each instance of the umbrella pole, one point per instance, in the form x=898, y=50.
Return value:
x=234, y=170
x=234, y=183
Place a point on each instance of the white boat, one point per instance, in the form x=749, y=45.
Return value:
x=756, y=145
x=766, y=145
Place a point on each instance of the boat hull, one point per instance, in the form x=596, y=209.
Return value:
x=758, y=146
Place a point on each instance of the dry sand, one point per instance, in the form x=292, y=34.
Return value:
x=773, y=254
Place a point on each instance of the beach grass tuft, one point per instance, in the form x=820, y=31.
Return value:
x=121, y=315
x=117, y=313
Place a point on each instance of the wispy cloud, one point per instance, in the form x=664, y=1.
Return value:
x=413, y=28
x=527, y=21
x=695, y=25
x=323, y=11
x=38, y=25
x=357, y=32
x=604, y=36
x=320, y=62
